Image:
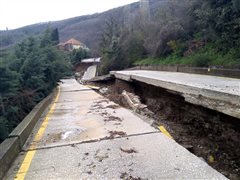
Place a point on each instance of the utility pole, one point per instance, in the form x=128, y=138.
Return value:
x=144, y=9
x=128, y=17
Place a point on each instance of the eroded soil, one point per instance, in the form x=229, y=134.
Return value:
x=212, y=136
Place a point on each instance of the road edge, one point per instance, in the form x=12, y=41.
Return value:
x=11, y=147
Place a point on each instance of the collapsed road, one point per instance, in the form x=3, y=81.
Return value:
x=201, y=112
x=217, y=93
x=83, y=135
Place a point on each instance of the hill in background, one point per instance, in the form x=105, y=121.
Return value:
x=86, y=29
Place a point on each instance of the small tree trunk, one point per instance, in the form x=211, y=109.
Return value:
x=2, y=105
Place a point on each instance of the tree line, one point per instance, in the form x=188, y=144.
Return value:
x=28, y=73
x=194, y=32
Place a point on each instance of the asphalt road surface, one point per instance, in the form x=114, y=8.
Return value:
x=85, y=136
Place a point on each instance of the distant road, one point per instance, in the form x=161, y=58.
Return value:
x=90, y=72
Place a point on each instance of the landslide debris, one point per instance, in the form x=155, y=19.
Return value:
x=210, y=135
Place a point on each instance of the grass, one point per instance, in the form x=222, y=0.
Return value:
x=205, y=57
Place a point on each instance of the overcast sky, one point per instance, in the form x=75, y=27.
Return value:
x=18, y=13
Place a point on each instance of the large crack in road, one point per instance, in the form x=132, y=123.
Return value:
x=85, y=135
x=210, y=135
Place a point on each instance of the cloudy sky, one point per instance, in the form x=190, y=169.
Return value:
x=18, y=13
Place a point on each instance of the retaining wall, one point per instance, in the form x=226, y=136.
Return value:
x=232, y=73
x=11, y=147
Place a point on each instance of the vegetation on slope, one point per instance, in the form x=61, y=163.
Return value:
x=77, y=55
x=86, y=29
x=199, y=33
x=28, y=73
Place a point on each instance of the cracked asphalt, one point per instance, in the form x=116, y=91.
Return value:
x=90, y=137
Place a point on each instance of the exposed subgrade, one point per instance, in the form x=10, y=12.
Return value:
x=210, y=135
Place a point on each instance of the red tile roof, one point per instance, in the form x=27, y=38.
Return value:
x=73, y=41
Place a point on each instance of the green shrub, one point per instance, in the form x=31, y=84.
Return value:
x=201, y=60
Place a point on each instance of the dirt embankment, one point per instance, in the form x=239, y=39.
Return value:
x=210, y=135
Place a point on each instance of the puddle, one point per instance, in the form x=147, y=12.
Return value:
x=72, y=133
x=66, y=134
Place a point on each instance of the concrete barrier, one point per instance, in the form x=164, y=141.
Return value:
x=24, y=129
x=11, y=147
x=232, y=73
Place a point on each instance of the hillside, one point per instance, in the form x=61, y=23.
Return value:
x=199, y=33
x=84, y=28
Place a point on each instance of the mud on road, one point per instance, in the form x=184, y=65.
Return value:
x=212, y=136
